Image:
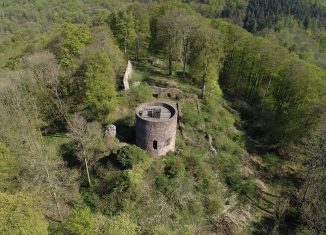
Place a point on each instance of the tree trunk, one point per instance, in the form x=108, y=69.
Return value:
x=204, y=82
x=138, y=48
x=170, y=65
x=52, y=187
x=267, y=88
x=185, y=57
x=184, y=66
x=125, y=42
x=203, y=92
x=275, y=227
x=87, y=171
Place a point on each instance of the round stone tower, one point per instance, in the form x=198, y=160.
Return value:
x=156, y=127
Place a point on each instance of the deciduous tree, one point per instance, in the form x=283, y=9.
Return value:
x=88, y=142
x=170, y=37
x=80, y=222
x=41, y=171
x=100, y=95
x=69, y=43
x=142, y=30
x=123, y=27
x=206, y=58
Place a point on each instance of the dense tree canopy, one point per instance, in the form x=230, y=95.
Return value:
x=262, y=14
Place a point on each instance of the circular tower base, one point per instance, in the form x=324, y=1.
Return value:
x=156, y=127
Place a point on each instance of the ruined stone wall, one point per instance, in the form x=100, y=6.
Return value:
x=127, y=75
x=162, y=131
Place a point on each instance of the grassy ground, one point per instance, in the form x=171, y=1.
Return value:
x=56, y=141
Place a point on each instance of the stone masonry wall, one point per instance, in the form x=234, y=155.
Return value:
x=163, y=131
x=127, y=75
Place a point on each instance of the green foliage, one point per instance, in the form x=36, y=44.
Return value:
x=230, y=169
x=141, y=94
x=174, y=168
x=12, y=64
x=205, y=60
x=213, y=89
x=273, y=163
x=69, y=43
x=308, y=44
x=100, y=96
x=206, y=50
x=278, y=95
x=115, y=191
x=8, y=170
x=213, y=204
x=121, y=224
x=195, y=165
x=235, y=10
x=240, y=185
x=122, y=24
x=90, y=198
x=131, y=155
x=174, y=30
x=304, y=231
x=80, y=222
x=265, y=14
x=217, y=118
x=103, y=41
x=142, y=29
x=4, y=152
x=189, y=115
x=21, y=214
x=277, y=86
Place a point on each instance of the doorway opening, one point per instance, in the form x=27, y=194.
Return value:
x=155, y=144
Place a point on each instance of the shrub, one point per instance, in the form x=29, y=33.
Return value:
x=162, y=183
x=140, y=94
x=213, y=204
x=9, y=169
x=129, y=156
x=121, y=224
x=21, y=214
x=190, y=116
x=234, y=180
x=240, y=184
x=248, y=187
x=195, y=206
x=90, y=198
x=174, y=168
x=195, y=165
x=3, y=150
x=273, y=163
x=223, y=143
x=121, y=193
x=228, y=162
x=80, y=222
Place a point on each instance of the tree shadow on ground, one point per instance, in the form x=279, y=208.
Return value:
x=69, y=156
x=126, y=130
x=111, y=161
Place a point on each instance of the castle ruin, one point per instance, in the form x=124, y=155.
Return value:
x=156, y=127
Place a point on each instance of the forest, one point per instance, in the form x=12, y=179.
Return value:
x=249, y=81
